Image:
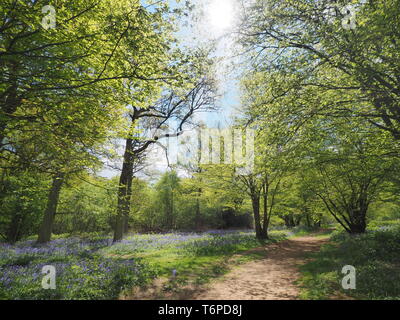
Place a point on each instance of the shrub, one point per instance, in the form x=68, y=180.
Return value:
x=376, y=257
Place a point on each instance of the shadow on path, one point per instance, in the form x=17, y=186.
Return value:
x=269, y=278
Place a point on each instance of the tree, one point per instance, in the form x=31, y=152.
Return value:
x=332, y=50
x=23, y=200
x=304, y=101
x=167, y=187
x=90, y=51
x=171, y=108
x=62, y=89
x=351, y=174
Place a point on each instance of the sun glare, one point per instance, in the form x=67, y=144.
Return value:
x=221, y=14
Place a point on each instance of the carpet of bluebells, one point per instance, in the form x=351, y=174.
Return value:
x=81, y=272
x=94, y=268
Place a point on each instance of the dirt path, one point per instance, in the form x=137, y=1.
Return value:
x=270, y=278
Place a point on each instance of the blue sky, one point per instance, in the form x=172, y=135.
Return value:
x=217, y=19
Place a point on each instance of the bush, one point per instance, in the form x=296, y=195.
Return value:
x=224, y=243
x=376, y=257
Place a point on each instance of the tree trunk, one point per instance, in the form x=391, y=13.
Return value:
x=126, y=224
x=289, y=221
x=51, y=209
x=198, y=212
x=10, y=100
x=357, y=229
x=358, y=224
x=124, y=193
x=266, y=217
x=257, y=219
x=358, y=215
x=14, y=230
x=169, y=211
x=298, y=220
x=308, y=219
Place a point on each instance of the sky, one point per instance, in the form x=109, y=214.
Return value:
x=218, y=18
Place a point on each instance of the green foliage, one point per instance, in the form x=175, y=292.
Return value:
x=375, y=255
x=324, y=95
x=323, y=101
x=81, y=271
x=92, y=269
x=84, y=280
x=87, y=206
x=218, y=245
x=22, y=199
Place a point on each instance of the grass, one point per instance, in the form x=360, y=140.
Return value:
x=81, y=272
x=197, y=271
x=199, y=261
x=93, y=268
x=375, y=256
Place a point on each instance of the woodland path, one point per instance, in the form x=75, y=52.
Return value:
x=272, y=277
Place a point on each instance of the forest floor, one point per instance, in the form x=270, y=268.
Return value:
x=271, y=274
x=271, y=278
